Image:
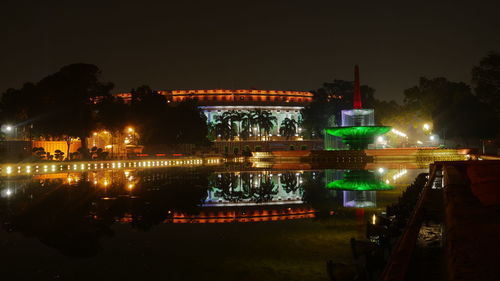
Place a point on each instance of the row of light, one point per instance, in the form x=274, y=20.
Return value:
x=399, y=133
x=395, y=176
x=114, y=165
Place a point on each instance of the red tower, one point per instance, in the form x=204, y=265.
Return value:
x=357, y=91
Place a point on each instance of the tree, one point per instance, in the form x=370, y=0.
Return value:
x=222, y=127
x=328, y=102
x=247, y=123
x=264, y=120
x=486, y=81
x=61, y=105
x=451, y=106
x=288, y=128
x=179, y=123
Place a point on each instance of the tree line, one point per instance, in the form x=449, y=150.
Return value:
x=74, y=102
x=456, y=109
x=248, y=124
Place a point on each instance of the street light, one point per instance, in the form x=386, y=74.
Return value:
x=8, y=128
x=427, y=127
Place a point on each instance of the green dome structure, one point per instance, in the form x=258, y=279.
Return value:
x=359, y=180
x=358, y=137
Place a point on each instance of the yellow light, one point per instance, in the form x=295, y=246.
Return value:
x=130, y=186
x=9, y=170
x=374, y=219
x=130, y=129
x=426, y=127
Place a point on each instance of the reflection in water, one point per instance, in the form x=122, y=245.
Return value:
x=72, y=212
x=359, y=187
x=239, y=189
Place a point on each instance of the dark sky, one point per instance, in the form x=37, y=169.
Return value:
x=295, y=45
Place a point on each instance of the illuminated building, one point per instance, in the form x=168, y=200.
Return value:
x=281, y=105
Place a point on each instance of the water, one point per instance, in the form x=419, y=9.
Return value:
x=212, y=223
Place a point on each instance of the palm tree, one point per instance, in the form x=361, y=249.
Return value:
x=288, y=127
x=222, y=127
x=247, y=122
x=289, y=181
x=264, y=190
x=236, y=118
x=265, y=121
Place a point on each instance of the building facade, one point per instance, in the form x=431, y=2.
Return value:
x=279, y=104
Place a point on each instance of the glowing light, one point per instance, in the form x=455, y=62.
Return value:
x=419, y=142
x=130, y=186
x=8, y=128
x=432, y=137
x=399, y=133
x=381, y=170
x=130, y=129
x=374, y=219
x=8, y=192
x=9, y=170
x=427, y=127
x=380, y=139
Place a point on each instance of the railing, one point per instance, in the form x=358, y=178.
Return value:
x=399, y=261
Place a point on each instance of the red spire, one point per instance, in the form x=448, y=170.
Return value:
x=357, y=92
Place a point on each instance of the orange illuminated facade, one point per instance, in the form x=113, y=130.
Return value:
x=241, y=96
x=218, y=96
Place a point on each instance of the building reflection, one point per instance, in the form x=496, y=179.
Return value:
x=73, y=211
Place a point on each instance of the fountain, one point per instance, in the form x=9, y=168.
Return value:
x=358, y=128
x=359, y=180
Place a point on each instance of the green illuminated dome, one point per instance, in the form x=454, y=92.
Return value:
x=359, y=180
x=358, y=137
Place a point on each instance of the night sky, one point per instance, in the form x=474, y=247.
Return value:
x=285, y=45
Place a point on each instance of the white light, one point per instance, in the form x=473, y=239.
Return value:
x=380, y=139
x=432, y=138
x=381, y=170
x=426, y=126
x=399, y=133
x=8, y=128
x=8, y=192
